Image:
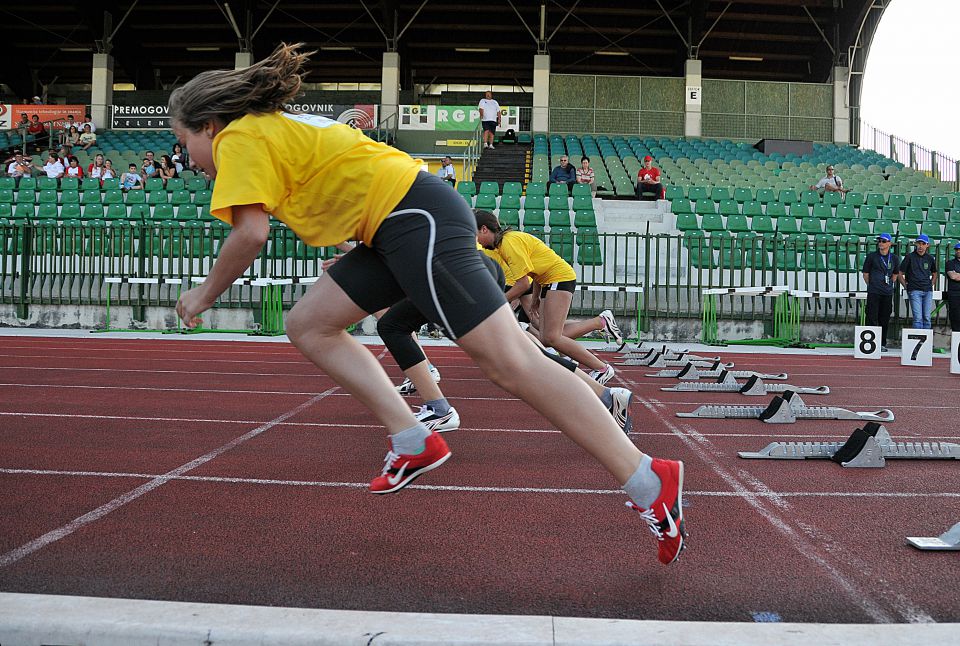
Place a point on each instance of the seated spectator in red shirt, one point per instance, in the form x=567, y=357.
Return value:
x=73, y=169
x=585, y=175
x=648, y=181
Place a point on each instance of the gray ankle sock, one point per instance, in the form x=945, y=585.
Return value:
x=644, y=485
x=410, y=441
x=440, y=406
x=607, y=398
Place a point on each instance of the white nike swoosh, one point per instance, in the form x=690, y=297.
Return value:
x=395, y=479
x=674, y=530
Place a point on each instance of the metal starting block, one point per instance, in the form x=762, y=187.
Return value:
x=657, y=360
x=669, y=355
x=691, y=373
x=725, y=383
x=786, y=410
x=869, y=446
x=949, y=541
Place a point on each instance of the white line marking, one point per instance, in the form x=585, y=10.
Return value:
x=478, y=489
x=300, y=375
x=61, y=532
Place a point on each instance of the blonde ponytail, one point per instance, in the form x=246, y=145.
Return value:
x=224, y=95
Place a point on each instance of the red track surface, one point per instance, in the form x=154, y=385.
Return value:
x=282, y=518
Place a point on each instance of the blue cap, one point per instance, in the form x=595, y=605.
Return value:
x=923, y=237
x=957, y=246
x=885, y=236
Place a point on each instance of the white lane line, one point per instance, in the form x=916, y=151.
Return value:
x=479, y=489
x=296, y=393
x=773, y=435
x=55, y=535
x=299, y=375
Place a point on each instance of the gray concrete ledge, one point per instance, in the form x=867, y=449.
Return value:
x=34, y=620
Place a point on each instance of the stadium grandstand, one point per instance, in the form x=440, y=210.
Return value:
x=741, y=105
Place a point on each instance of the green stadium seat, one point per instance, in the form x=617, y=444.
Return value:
x=156, y=197
x=890, y=213
x=187, y=212
x=536, y=188
x=72, y=211
x=869, y=212
x=585, y=219
x=720, y=193
x=766, y=195
x=687, y=222
x=695, y=193
x=136, y=197
x=116, y=212
x=24, y=211
x=811, y=225
x=835, y=226
x=563, y=248
x=533, y=218
x=920, y=201
x=822, y=211
x=788, y=196
x=932, y=229
x=70, y=196
x=590, y=254
x=89, y=184
x=810, y=198
x=138, y=211
x=90, y=197
x=46, y=196
x=883, y=226
x=200, y=197
x=113, y=196
x=914, y=214
x=512, y=188
x=861, y=227
x=153, y=184
x=486, y=201
x=176, y=184
x=743, y=195
x=162, y=211
x=681, y=206
x=6, y=194
x=582, y=203
x=536, y=202
x=908, y=229
x=48, y=211
x=509, y=217
x=936, y=214
x=705, y=206
x=876, y=199
x=581, y=190
x=729, y=207
x=752, y=208
x=699, y=251
x=776, y=210
x=951, y=230
x=8, y=184
x=69, y=184
x=711, y=222
x=762, y=224
x=788, y=225
x=853, y=198
x=180, y=196
x=941, y=202
x=91, y=211
x=28, y=184
x=559, y=218
x=673, y=193
x=737, y=223
x=832, y=198
x=898, y=200
x=490, y=188
x=845, y=212
x=195, y=184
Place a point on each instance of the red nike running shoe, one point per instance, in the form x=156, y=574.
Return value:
x=665, y=517
x=400, y=470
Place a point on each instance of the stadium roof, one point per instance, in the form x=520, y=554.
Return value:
x=439, y=41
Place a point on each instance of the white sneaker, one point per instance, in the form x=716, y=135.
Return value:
x=611, y=328
x=603, y=376
x=406, y=387
x=620, y=409
x=436, y=422
x=436, y=373
x=491, y=146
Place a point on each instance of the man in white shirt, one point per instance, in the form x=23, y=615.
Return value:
x=447, y=172
x=53, y=168
x=489, y=118
x=831, y=183
x=89, y=122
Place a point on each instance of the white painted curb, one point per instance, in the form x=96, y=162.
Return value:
x=33, y=620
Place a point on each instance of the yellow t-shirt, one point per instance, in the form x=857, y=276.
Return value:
x=325, y=180
x=521, y=254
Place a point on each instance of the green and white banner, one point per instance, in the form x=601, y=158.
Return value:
x=452, y=117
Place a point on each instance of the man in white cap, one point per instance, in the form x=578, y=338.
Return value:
x=918, y=275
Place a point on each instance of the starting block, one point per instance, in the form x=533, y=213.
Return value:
x=949, y=541
x=657, y=360
x=725, y=383
x=786, y=410
x=867, y=447
x=691, y=373
x=667, y=354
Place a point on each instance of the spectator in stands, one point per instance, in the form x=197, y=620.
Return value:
x=87, y=138
x=70, y=123
x=489, y=118
x=70, y=137
x=829, y=183
x=918, y=275
x=447, y=172
x=19, y=166
x=95, y=168
x=53, y=168
x=108, y=172
x=563, y=174
x=65, y=152
x=73, y=168
x=648, y=180
x=166, y=170
x=952, y=270
x=23, y=124
x=880, y=269
x=131, y=179
x=148, y=169
x=37, y=130
x=37, y=101
x=179, y=157
x=585, y=175
x=89, y=122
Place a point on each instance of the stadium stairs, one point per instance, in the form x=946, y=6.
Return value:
x=505, y=163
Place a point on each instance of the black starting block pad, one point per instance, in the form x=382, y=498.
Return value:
x=786, y=410
x=690, y=372
x=725, y=383
x=949, y=541
x=668, y=355
x=869, y=446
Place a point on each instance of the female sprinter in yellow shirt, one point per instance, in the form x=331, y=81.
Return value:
x=330, y=183
x=525, y=258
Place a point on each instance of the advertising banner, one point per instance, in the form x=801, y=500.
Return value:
x=143, y=116
x=459, y=118
x=362, y=116
x=10, y=114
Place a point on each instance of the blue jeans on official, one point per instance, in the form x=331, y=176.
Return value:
x=921, y=304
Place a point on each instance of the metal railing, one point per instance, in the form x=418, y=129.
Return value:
x=66, y=264
x=917, y=157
